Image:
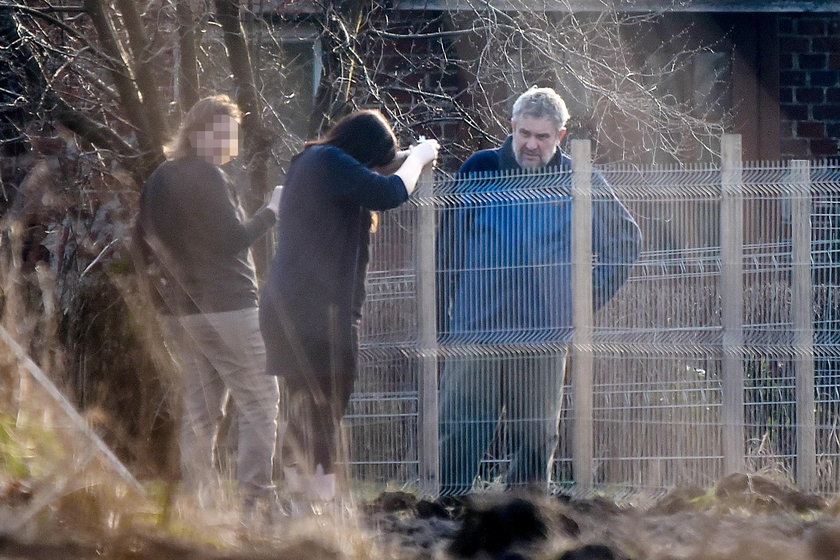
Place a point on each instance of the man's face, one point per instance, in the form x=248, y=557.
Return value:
x=535, y=140
x=219, y=142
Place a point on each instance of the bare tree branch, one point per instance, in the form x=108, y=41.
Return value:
x=121, y=74
x=146, y=82
x=42, y=13
x=257, y=141
x=73, y=119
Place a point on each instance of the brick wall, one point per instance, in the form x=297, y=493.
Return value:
x=417, y=79
x=809, y=85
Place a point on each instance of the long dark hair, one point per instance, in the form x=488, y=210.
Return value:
x=365, y=135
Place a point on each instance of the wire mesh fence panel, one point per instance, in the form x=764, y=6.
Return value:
x=390, y=311
x=662, y=426
x=825, y=265
x=657, y=393
x=661, y=343
x=381, y=421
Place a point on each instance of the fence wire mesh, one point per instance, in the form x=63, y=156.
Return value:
x=499, y=275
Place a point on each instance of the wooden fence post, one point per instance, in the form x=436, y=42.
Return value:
x=803, y=329
x=732, y=303
x=582, y=314
x=428, y=458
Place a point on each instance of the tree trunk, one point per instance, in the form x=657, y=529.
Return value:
x=146, y=83
x=187, y=68
x=334, y=98
x=129, y=96
x=257, y=141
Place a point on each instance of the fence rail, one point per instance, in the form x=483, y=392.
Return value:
x=719, y=353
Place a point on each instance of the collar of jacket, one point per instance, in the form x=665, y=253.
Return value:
x=508, y=161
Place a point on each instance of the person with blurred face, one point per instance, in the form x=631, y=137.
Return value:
x=504, y=286
x=195, y=238
x=217, y=143
x=311, y=307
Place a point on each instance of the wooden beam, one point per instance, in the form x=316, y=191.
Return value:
x=74, y=419
x=583, y=359
x=429, y=458
x=732, y=303
x=802, y=306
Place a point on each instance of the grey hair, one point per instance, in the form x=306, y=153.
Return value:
x=539, y=103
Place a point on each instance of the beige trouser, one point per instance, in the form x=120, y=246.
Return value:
x=220, y=354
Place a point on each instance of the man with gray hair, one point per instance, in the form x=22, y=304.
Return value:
x=539, y=125
x=504, y=293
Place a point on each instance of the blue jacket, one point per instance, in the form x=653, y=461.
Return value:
x=504, y=250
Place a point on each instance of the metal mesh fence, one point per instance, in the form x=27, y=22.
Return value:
x=718, y=352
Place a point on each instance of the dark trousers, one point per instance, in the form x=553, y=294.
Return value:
x=473, y=391
x=315, y=408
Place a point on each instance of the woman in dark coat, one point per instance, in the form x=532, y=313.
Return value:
x=311, y=306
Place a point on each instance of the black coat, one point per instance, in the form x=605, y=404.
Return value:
x=311, y=305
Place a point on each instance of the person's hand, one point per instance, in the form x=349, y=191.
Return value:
x=390, y=168
x=426, y=151
x=274, y=203
x=421, y=156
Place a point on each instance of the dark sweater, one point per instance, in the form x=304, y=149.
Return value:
x=200, y=238
x=312, y=302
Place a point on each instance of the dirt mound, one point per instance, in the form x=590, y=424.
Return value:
x=741, y=518
x=744, y=517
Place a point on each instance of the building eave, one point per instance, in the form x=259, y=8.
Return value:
x=634, y=6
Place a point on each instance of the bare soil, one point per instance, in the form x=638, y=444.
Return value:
x=742, y=518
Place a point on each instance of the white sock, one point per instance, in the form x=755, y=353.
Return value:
x=323, y=485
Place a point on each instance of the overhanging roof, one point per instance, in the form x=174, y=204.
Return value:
x=626, y=5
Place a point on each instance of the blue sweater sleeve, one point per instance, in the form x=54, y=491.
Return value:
x=355, y=183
